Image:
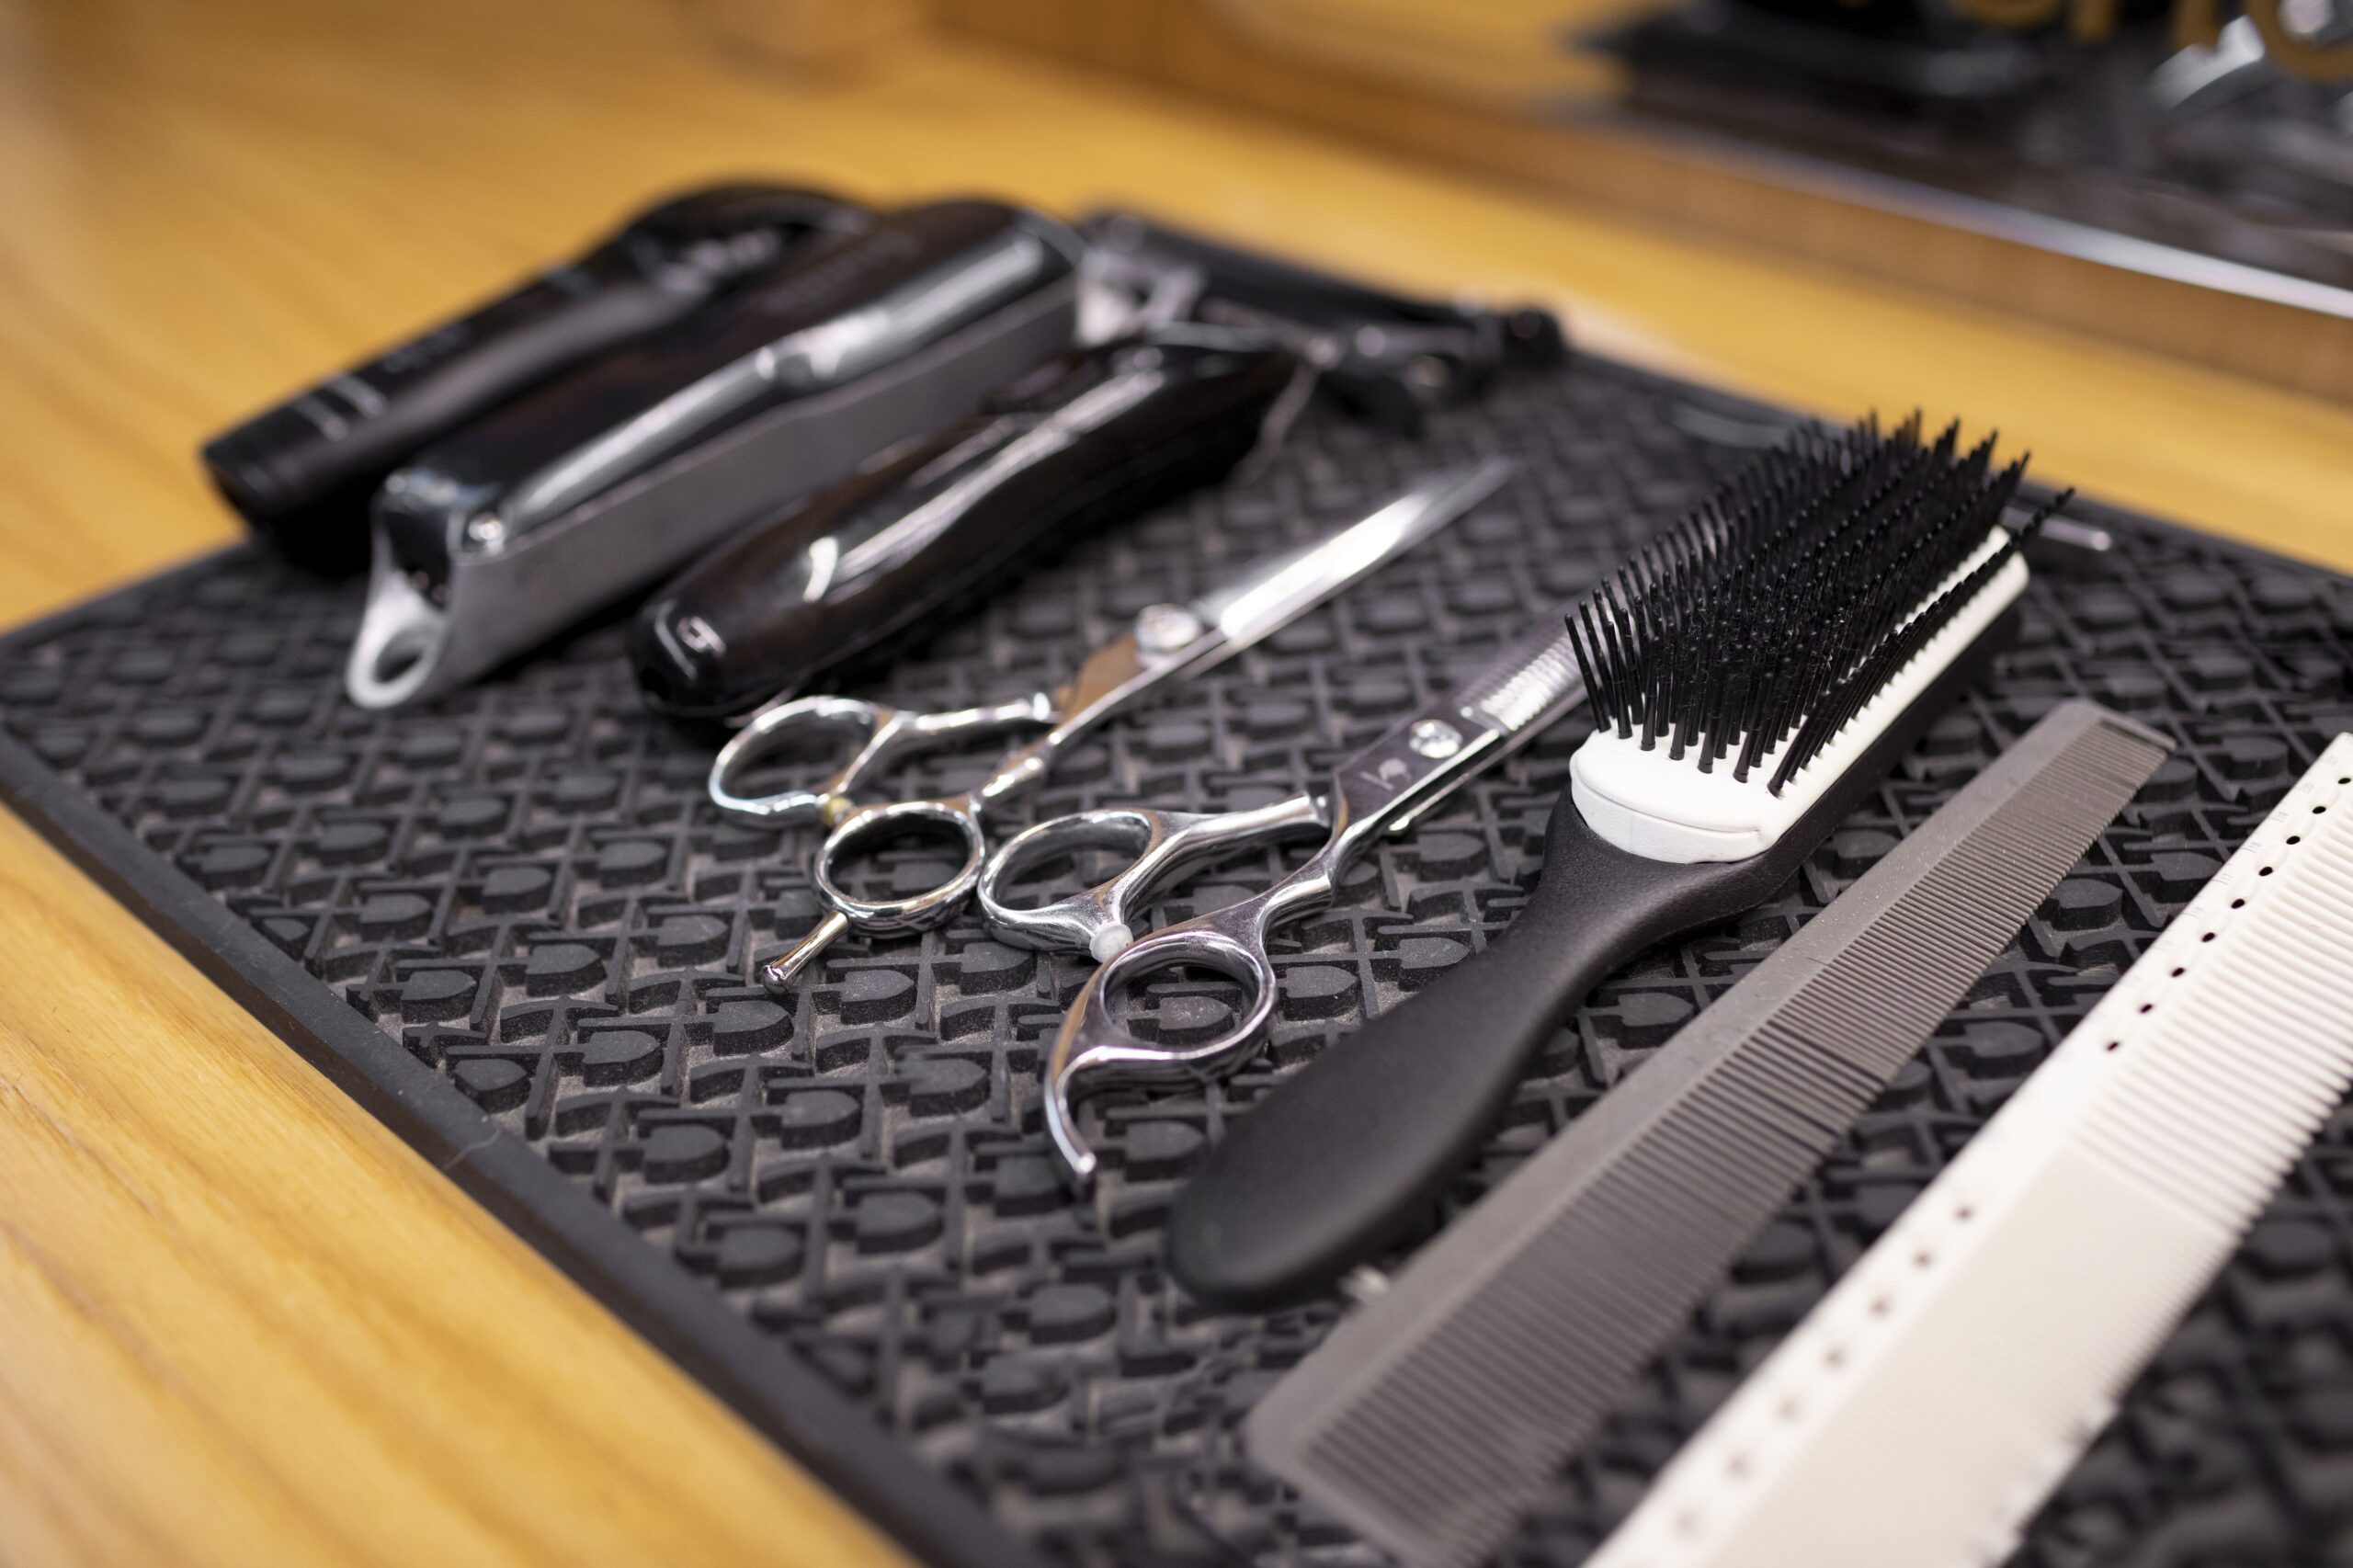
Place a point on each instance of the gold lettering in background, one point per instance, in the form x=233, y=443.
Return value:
x=2296, y=56
x=2196, y=23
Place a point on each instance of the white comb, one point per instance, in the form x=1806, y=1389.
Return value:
x=1924, y=1409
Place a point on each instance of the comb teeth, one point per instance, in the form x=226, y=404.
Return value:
x=1431, y=1420
x=1772, y=613
x=1924, y=1409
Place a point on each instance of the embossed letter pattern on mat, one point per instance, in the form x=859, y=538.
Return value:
x=516, y=909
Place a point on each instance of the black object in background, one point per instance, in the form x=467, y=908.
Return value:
x=1085, y=440
x=1380, y=355
x=301, y=472
x=1915, y=59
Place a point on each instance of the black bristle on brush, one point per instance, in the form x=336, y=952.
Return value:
x=1755, y=633
x=1776, y=601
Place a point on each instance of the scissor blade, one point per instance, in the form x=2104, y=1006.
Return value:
x=1273, y=592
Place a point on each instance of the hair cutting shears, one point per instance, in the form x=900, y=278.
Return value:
x=1384, y=788
x=1167, y=643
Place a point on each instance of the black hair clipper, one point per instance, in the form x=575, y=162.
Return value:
x=301, y=473
x=1380, y=355
x=1086, y=439
x=595, y=485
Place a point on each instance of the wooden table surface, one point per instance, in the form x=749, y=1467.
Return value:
x=240, y=1322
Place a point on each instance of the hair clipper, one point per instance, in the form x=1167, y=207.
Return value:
x=301, y=472
x=1380, y=355
x=596, y=484
x=1089, y=438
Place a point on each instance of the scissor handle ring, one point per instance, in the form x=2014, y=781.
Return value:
x=1094, y=921
x=763, y=734
x=917, y=912
x=1160, y=846
x=1095, y=1051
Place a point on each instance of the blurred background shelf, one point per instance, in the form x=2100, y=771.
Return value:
x=2024, y=207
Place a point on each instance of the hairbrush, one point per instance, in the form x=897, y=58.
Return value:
x=1754, y=673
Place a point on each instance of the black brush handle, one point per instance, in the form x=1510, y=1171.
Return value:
x=1348, y=1155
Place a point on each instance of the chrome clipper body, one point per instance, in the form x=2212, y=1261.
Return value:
x=596, y=484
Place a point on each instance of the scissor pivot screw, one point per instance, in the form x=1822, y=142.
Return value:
x=1434, y=738
x=1163, y=629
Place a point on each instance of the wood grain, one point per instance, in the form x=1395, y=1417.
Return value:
x=240, y=1322
x=237, y=1323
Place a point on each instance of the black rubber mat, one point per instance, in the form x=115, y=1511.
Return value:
x=511, y=926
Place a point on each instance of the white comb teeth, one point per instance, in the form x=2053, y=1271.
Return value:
x=1922, y=1412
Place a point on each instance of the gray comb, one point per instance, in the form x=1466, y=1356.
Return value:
x=1432, y=1417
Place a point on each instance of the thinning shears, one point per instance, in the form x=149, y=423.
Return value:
x=1167, y=643
x=1384, y=788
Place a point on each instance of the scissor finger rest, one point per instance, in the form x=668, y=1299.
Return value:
x=1095, y=1051
x=1161, y=845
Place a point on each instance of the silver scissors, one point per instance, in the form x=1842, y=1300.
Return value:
x=1386, y=787
x=1167, y=642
